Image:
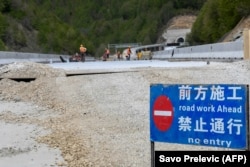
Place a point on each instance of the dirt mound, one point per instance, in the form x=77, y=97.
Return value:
x=29, y=70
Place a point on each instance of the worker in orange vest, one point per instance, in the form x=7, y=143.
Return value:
x=82, y=52
x=128, y=53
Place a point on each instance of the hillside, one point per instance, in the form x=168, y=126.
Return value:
x=216, y=19
x=186, y=22
x=60, y=27
x=238, y=30
x=181, y=22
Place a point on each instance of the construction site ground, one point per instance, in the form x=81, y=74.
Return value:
x=95, y=119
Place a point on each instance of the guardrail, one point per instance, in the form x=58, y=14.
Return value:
x=123, y=45
x=228, y=50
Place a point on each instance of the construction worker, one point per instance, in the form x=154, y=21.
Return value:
x=118, y=55
x=82, y=52
x=107, y=52
x=128, y=53
x=104, y=56
x=139, y=55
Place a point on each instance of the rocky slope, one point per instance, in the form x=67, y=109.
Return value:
x=181, y=22
x=237, y=32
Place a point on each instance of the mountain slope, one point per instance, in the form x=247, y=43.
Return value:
x=61, y=26
x=237, y=32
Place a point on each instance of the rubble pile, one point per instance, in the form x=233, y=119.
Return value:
x=29, y=70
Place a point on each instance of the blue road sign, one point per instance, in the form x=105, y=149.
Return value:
x=208, y=115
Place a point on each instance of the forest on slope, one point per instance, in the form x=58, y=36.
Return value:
x=216, y=19
x=60, y=26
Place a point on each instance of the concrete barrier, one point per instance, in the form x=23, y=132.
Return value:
x=10, y=57
x=228, y=50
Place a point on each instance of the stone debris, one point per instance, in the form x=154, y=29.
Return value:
x=29, y=70
x=102, y=120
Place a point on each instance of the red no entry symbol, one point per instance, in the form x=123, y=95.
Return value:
x=163, y=113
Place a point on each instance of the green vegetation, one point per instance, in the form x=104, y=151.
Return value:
x=60, y=26
x=216, y=19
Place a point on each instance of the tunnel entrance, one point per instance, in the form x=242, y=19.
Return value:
x=180, y=40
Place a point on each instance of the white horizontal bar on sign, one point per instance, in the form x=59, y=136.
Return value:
x=162, y=113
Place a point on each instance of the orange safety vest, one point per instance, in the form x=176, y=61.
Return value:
x=107, y=51
x=82, y=49
x=128, y=52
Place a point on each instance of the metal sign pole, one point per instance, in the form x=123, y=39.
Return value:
x=248, y=118
x=152, y=154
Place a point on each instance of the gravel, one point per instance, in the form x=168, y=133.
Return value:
x=102, y=119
